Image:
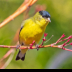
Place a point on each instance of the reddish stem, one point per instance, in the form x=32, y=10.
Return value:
x=60, y=39
x=66, y=38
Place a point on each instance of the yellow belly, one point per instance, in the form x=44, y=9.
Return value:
x=27, y=37
x=29, y=40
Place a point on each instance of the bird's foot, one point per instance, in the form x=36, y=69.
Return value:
x=37, y=46
x=17, y=47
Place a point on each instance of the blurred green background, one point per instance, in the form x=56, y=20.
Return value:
x=61, y=22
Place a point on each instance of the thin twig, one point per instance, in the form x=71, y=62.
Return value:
x=48, y=39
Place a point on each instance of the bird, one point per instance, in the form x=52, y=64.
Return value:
x=31, y=30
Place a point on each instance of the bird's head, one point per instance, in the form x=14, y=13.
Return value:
x=45, y=15
x=42, y=18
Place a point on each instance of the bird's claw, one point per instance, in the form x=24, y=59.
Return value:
x=37, y=46
x=17, y=47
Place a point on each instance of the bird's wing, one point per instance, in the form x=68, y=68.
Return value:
x=22, y=25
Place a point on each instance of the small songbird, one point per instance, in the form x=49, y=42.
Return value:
x=31, y=30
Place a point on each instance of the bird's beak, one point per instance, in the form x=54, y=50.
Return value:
x=49, y=20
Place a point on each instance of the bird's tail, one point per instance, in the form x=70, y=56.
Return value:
x=20, y=56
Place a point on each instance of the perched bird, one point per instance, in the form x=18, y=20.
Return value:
x=32, y=29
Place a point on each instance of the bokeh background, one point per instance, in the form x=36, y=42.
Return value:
x=61, y=22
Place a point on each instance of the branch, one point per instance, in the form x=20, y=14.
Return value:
x=21, y=9
x=44, y=46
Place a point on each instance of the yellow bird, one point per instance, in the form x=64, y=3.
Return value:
x=32, y=29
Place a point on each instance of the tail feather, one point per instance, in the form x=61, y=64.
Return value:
x=17, y=58
x=20, y=56
x=23, y=58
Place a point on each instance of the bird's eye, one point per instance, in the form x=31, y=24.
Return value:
x=43, y=16
x=46, y=16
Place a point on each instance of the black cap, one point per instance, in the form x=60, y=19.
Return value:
x=44, y=14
